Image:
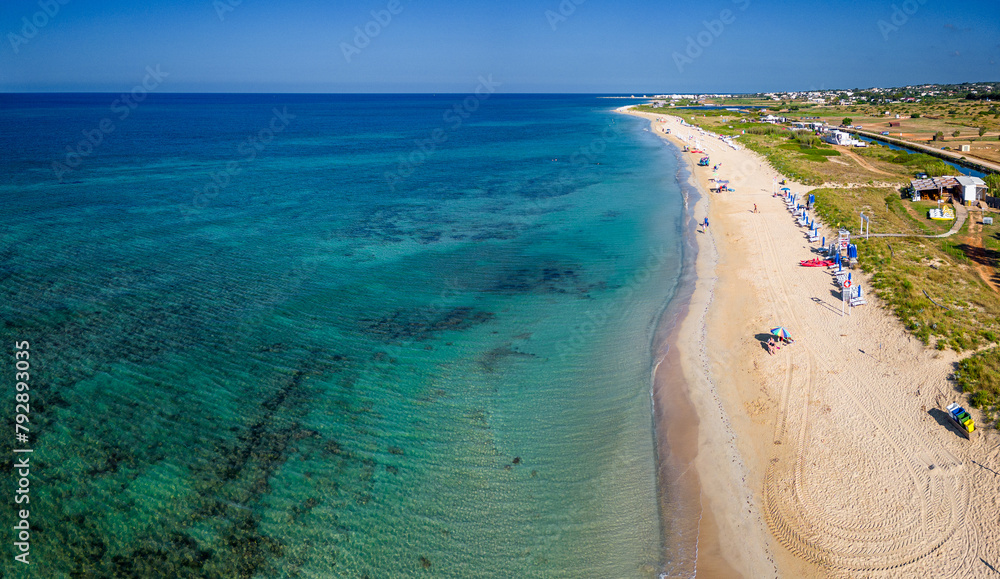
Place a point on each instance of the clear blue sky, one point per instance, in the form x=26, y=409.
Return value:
x=439, y=46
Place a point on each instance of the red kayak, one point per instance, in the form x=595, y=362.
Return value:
x=816, y=262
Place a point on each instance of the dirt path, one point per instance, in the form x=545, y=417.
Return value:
x=992, y=166
x=864, y=164
x=978, y=253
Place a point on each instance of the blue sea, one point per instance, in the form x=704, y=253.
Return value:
x=337, y=335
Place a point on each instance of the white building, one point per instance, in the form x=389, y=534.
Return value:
x=973, y=188
x=836, y=137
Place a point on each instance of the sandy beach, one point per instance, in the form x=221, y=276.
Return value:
x=832, y=457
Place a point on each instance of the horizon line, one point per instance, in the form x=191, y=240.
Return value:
x=630, y=94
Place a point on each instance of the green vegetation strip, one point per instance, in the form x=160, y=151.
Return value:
x=977, y=375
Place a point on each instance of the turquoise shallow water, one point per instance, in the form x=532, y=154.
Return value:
x=325, y=368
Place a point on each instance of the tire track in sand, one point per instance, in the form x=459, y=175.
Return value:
x=888, y=539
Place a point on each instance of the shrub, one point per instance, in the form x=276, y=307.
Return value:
x=980, y=375
x=980, y=399
x=992, y=181
x=764, y=130
x=805, y=139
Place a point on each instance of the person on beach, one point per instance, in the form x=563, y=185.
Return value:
x=755, y=208
x=704, y=225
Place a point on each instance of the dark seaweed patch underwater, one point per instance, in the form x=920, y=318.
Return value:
x=315, y=375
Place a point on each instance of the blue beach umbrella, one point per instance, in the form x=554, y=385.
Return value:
x=784, y=189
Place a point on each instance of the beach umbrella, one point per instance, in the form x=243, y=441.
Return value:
x=781, y=332
x=784, y=189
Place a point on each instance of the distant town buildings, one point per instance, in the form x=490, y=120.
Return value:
x=874, y=96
